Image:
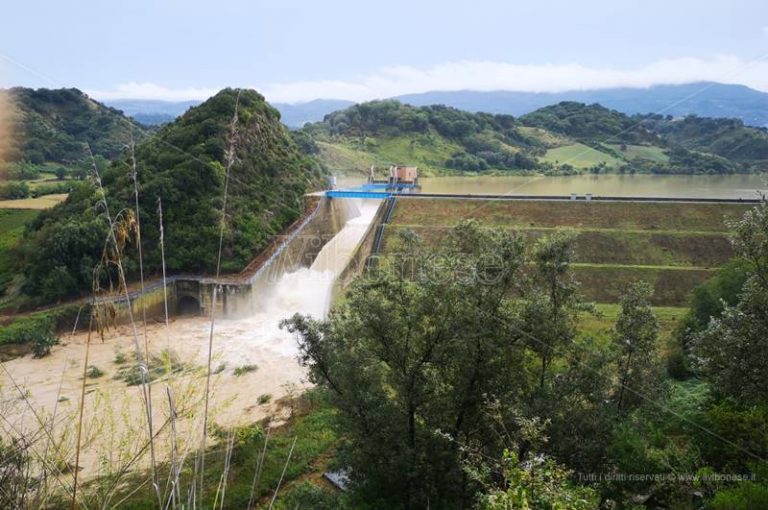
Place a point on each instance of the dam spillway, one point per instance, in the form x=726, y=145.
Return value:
x=278, y=294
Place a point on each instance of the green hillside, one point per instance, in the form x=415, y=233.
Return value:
x=52, y=126
x=184, y=165
x=564, y=138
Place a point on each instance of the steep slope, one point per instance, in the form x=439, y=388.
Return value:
x=184, y=165
x=51, y=126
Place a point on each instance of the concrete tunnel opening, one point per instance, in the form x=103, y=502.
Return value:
x=188, y=306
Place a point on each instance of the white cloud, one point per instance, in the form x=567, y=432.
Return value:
x=485, y=76
x=146, y=90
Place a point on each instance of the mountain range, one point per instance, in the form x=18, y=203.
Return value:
x=705, y=99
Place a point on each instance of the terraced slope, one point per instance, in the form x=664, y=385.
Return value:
x=673, y=246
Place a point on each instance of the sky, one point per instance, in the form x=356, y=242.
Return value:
x=298, y=50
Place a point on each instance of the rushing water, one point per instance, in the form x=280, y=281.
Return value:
x=306, y=290
x=695, y=186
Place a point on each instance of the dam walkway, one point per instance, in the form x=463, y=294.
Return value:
x=383, y=195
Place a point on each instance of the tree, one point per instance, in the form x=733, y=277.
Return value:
x=636, y=334
x=550, y=313
x=538, y=483
x=61, y=173
x=733, y=349
x=410, y=357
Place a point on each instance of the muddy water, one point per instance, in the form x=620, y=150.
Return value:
x=31, y=390
x=695, y=186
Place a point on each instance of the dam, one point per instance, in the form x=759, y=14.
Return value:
x=333, y=241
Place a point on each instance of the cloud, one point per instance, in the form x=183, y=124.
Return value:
x=147, y=90
x=485, y=76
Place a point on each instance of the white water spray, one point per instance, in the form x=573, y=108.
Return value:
x=306, y=290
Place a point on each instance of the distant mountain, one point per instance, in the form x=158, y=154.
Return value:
x=53, y=125
x=705, y=99
x=152, y=112
x=296, y=115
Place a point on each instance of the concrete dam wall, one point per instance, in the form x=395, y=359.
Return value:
x=244, y=294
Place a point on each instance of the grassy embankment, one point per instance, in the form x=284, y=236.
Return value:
x=672, y=246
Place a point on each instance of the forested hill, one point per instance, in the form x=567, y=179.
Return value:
x=51, y=126
x=184, y=165
x=565, y=138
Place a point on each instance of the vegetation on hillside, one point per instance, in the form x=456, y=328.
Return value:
x=52, y=126
x=184, y=165
x=565, y=138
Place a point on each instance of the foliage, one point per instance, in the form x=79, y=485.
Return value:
x=244, y=369
x=732, y=350
x=538, y=483
x=14, y=190
x=588, y=122
x=709, y=298
x=422, y=348
x=636, y=335
x=54, y=125
x=157, y=366
x=184, y=164
x=42, y=343
x=33, y=329
x=94, y=372
x=541, y=141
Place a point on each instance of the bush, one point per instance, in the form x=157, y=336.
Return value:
x=244, y=369
x=41, y=345
x=14, y=191
x=94, y=372
x=678, y=367
x=264, y=398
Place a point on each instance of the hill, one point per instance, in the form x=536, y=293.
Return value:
x=184, y=165
x=51, y=126
x=704, y=99
x=564, y=138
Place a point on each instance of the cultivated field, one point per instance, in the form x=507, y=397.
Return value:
x=43, y=202
x=579, y=156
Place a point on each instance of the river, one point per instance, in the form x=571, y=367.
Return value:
x=644, y=185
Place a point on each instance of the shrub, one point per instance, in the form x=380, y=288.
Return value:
x=41, y=345
x=264, y=398
x=94, y=372
x=244, y=369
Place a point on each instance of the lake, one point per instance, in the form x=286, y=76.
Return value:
x=694, y=186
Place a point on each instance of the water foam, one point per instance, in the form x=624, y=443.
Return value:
x=306, y=290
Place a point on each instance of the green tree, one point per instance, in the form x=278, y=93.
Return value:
x=551, y=310
x=733, y=349
x=635, y=335
x=538, y=483
x=410, y=357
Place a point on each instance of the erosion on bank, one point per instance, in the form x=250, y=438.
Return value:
x=184, y=165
